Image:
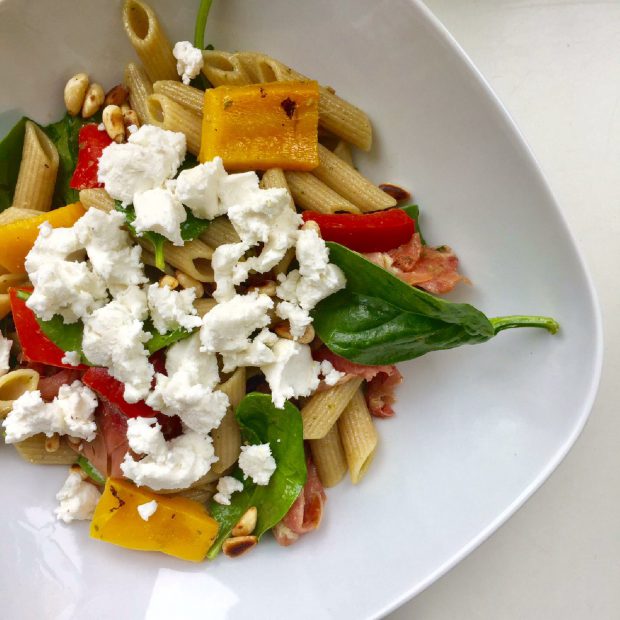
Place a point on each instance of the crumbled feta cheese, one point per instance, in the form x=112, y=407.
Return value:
x=293, y=373
x=78, y=499
x=150, y=156
x=70, y=413
x=62, y=285
x=226, y=486
x=187, y=389
x=101, y=127
x=114, y=338
x=132, y=129
x=172, y=309
x=331, y=376
x=197, y=188
x=71, y=358
x=5, y=354
x=224, y=261
x=158, y=210
x=147, y=510
x=257, y=353
x=112, y=254
x=175, y=464
x=189, y=60
x=298, y=318
x=257, y=463
x=234, y=189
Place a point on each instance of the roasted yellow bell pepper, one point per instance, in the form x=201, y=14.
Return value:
x=179, y=527
x=261, y=126
x=17, y=238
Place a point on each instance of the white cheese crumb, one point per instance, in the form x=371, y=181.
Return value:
x=101, y=127
x=147, y=510
x=226, y=486
x=158, y=210
x=71, y=358
x=70, y=413
x=224, y=261
x=175, y=464
x=114, y=338
x=150, y=156
x=5, y=354
x=257, y=463
x=132, y=129
x=172, y=309
x=197, y=188
x=293, y=373
x=331, y=376
x=78, y=499
x=189, y=60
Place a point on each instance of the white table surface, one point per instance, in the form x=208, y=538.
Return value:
x=555, y=64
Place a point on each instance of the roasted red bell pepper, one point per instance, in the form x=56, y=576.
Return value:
x=372, y=232
x=91, y=141
x=36, y=346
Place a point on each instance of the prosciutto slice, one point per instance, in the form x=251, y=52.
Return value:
x=306, y=512
x=50, y=385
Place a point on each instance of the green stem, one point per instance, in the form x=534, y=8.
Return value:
x=90, y=470
x=201, y=23
x=160, y=261
x=23, y=295
x=508, y=322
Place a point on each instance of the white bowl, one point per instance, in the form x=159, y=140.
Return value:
x=477, y=429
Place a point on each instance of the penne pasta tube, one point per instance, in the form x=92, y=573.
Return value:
x=219, y=232
x=5, y=305
x=204, y=305
x=201, y=494
x=209, y=478
x=37, y=172
x=227, y=437
x=194, y=258
x=96, y=199
x=223, y=68
x=11, y=279
x=348, y=182
x=168, y=114
x=310, y=193
x=34, y=451
x=359, y=436
x=13, y=385
x=343, y=150
x=149, y=40
x=328, y=456
x=188, y=96
x=140, y=87
x=274, y=177
x=323, y=409
x=15, y=214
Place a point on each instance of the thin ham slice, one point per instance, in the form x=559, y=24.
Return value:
x=51, y=384
x=306, y=512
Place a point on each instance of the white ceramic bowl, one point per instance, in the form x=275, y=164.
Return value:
x=477, y=430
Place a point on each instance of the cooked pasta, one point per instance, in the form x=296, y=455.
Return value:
x=149, y=40
x=168, y=114
x=37, y=172
x=140, y=87
x=13, y=385
x=96, y=199
x=201, y=494
x=359, y=436
x=328, y=456
x=310, y=193
x=194, y=259
x=34, y=451
x=220, y=231
x=322, y=409
x=223, y=68
x=15, y=214
x=5, y=305
x=188, y=96
x=204, y=304
x=11, y=279
x=343, y=150
x=275, y=177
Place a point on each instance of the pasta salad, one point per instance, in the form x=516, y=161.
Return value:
x=202, y=300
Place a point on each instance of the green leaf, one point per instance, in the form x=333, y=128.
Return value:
x=10, y=159
x=379, y=319
x=413, y=211
x=90, y=470
x=161, y=341
x=261, y=422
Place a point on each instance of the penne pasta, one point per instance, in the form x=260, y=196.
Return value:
x=37, y=171
x=323, y=409
x=310, y=193
x=188, y=96
x=359, y=436
x=5, y=305
x=11, y=279
x=168, y=114
x=204, y=304
x=13, y=385
x=140, y=87
x=15, y=214
x=149, y=40
x=201, y=494
x=34, y=451
x=194, y=258
x=274, y=177
x=219, y=232
x=209, y=478
x=343, y=150
x=96, y=199
x=227, y=437
x=223, y=68
x=349, y=183
x=148, y=258
x=328, y=456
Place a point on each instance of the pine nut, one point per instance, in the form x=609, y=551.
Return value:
x=188, y=282
x=74, y=441
x=75, y=92
x=117, y=95
x=76, y=469
x=93, y=100
x=247, y=523
x=130, y=117
x=52, y=443
x=113, y=122
x=283, y=330
x=169, y=281
x=312, y=225
x=238, y=545
x=308, y=336
x=266, y=288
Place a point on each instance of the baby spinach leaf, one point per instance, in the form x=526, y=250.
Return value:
x=379, y=319
x=413, y=211
x=261, y=422
x=10, y=159
x=161, y=341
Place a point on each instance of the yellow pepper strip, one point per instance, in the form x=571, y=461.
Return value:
x=17, y=238
x=179, y=527
x=262, y=126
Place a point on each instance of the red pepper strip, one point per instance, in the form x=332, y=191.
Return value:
x=36, y=346
x=108, y=388
x=372, y=232
x=91, y=142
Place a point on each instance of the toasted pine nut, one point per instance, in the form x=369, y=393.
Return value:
x=117, y=95
x=170, y=281
x=76, y=469
x=52, y=443
x=247, y=523
x=75, y=91
x=74, y=441
x=130, y=117
x=283, y=330
x=312, y=225
x=266, y=288
x=308, y=336
x=238, y=545
x=93, y=100
x=188, y=282
x=113, y=122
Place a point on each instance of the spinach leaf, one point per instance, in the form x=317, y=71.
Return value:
x=161, y=341
x=90, y=470
x=261, y=422
x=10, y=159
x=413, y=211
x=378, y=319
